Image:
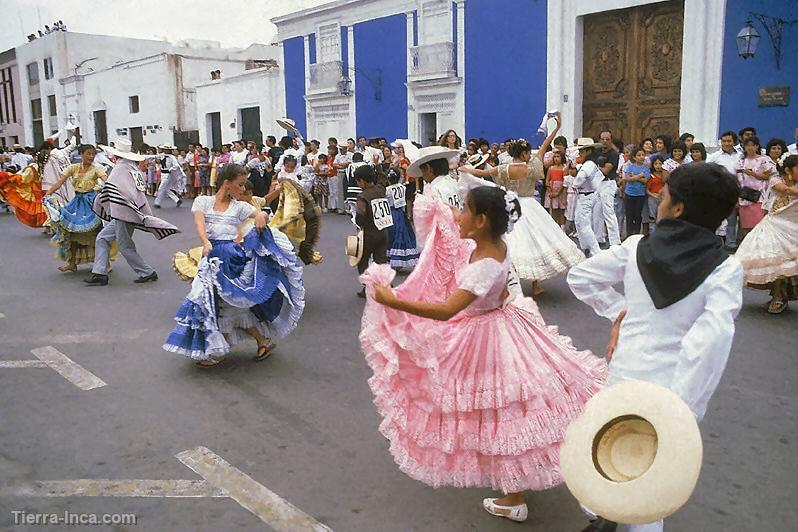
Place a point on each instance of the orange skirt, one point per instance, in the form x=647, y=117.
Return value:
x=25, y=197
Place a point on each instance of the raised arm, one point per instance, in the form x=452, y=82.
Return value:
x=492, y=172
x=58, y=184
x=550, y=138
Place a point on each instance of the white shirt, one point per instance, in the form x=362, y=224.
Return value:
x=369, y=153
x=238, y=157
x=21, y=160
x=793, y=148
x=683, y=347
x=290, y=151
x=222, y=225
x=505, y=158
x=445, y=188
x=727, y=160
x=588, y=177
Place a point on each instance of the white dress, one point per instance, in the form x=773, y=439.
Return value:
x=538, y=247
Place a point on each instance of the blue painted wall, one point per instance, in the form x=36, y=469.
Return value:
x=312, y=48
x=381, y=53
x=345, y=50
x=505, y=92
x=294, y=59
x=743, y=78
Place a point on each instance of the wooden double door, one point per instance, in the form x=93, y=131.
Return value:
x=632, y=71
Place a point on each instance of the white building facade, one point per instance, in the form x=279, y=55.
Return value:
x=12, y=130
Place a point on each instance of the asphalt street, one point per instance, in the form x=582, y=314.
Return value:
x=302, y=423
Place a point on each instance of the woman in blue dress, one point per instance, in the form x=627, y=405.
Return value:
x=75, y=224
x=402, y=249
x=253, y=286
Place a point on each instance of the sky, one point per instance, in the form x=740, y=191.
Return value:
x=239, y=24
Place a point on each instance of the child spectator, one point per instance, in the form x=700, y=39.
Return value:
x=637, y=174
x=321, y=187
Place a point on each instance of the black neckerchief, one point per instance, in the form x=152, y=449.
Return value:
x=676, y=259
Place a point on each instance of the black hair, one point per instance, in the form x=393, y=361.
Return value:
x=679, y=145
x=656, y=158
x=684, y=136
x=731, y=134
x=776, y=142
x=618, y=143
x=707, y=191
x=357, y=157
x=362, y=137
x=490, y=201
x=248, y=186
x=272, y=138
x=83, y=147
x=699, y=146
x=791, y=161
x=322, y=157
x=561, y=140
x=230, y=172
x=649, y=139
x=286, y=142
x=366, y=174
x=332, y=141
x=666, y=140
x=483, y=142
x=517, y=148
x=46, y=145
x=634, y=149
x=316, y=142
x=289, y=159
x=438, y=166
x=752, y=140
x=752, y=129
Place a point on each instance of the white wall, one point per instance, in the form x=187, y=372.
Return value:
x=262, y=87
x=17, y=128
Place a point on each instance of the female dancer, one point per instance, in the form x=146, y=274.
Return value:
x=23, y=191
x=479, y=391
x=769, y=254
x=75, y=224
x=254, y=286
x=539, y=249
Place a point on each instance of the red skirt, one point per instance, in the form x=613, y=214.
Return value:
x=750, y=215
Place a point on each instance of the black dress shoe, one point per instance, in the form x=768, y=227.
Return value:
x=601, y=525
x=147, y=278
x=179, y=203
x=96, y=280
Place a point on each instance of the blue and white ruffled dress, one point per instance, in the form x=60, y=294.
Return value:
x=253, y=284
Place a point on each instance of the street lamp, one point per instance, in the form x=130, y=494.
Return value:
x=747, y=40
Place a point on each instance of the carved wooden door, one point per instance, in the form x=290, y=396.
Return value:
x=633, y=71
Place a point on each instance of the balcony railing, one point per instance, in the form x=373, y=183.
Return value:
x=432, y=61
x=325, y=77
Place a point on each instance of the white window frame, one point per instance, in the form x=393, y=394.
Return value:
x=320, y=57
x=440, y=9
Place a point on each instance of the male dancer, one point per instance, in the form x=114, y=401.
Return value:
x=674, y=323
x=587, y=178
x=172, y=177
x=122, y=203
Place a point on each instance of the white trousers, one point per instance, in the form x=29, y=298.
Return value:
x=583, y=218
x=167, y=188
x=604, y=213
x=332, y=197
x=657, y=526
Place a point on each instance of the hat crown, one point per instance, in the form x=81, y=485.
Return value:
x=123, y=145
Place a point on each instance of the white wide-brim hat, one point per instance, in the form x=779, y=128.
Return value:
x=167, y=147
x=634, y=455
x=586, y=142
x=478, y=159
x=124, y=149
x=430, y=153
x=354, y=248
x=289, y=125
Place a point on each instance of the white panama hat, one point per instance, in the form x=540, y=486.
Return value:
x=289, y=125
x=478, y=159
x=634, y=454
x=123, y=149
x=428, y=154
x=354, y=248
x=586, y=142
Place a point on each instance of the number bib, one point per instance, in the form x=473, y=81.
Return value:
x=138, y=179
x=381, y=211
x=397, y=193
x=453, y=200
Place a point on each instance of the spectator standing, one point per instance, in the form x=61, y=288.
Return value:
x=728, y=157
x=754, y=171
x=604, y=213
x=654, y=195
x=637, y=175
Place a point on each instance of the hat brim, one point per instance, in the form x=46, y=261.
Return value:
x=355, y=259
x=130, y=156
x=669, y=481
x=289, y=126
x=414, y=170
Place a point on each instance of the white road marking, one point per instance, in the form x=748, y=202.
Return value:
x=109, y=488
x=22, y=364
x=265, y=504
x=2, y=315
x=70, y=370
x=76, y=338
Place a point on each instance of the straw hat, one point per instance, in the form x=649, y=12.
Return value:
x=478, y=159
x=186, y=265
x=289, y=125
x=634, y=455
x=354, y=248
x=428, y=154
x=122, y=149
x=586, y=142
x=167, y=147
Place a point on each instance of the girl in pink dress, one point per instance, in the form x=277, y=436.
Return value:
x=473, y=387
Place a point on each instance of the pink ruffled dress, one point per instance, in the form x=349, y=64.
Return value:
x=483, y=399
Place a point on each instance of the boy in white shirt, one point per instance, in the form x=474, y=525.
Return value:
x=674, y=323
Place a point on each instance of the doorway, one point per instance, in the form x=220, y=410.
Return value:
x=428, y=129
x=633, y=71
x=136, y=138
x=250, y=124
x=214, y=122
x=100, y=128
